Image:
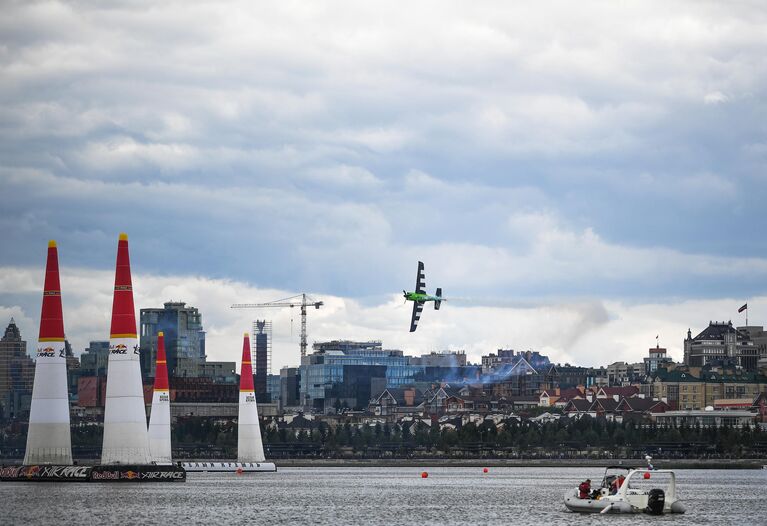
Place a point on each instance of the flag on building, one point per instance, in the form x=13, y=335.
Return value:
x=744, y=307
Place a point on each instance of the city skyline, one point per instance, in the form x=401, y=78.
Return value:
x=578, y=180
x=327, y=330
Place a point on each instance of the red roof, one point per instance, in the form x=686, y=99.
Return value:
x=643, y=405
x=571, y=394
x=624, y=391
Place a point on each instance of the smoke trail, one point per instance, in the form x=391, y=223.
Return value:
x=491, y=302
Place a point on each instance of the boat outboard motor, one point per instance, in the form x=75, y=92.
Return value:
x=656, y=500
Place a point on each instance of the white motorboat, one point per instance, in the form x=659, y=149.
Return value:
x=633, y=496
x=230, y=467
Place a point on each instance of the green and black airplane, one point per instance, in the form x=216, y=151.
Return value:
x=419, y=297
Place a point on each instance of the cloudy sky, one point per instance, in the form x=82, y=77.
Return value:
x=577, y=177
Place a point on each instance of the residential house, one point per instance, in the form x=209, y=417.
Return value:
x=617, y=393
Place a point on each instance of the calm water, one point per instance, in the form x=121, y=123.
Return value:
x=335, y=496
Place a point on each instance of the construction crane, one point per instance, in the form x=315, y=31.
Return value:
x=291, y=302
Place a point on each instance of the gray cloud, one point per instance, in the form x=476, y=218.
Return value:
x=542, y=155
x=589, y=332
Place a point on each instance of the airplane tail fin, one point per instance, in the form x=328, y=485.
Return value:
x=438, y=302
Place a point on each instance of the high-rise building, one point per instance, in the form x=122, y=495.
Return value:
x=290, y=386
x=17, y=373
x=262, y=357
x=184, y=340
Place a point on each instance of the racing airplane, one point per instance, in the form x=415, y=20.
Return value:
x=419, y=297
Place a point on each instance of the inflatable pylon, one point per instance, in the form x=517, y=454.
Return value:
x=159, y=419
x=250, y=447
x=125, y=431
x=48, y=439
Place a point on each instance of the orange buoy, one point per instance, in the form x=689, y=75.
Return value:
x=485, y=470
x=424, y=475
x=646, y=476
x=239, y=471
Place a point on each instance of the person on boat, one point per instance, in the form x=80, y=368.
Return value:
x=584, y=489
x=616, y=485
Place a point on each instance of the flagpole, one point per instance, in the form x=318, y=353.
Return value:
x=744, y=308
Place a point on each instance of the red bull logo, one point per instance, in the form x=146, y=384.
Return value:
x=118, y=349
x=48, y=352
x=130, y=475
x=105, y=475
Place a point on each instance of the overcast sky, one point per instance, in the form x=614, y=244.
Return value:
x=578, y=177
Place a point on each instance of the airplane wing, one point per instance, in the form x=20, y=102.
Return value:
x=417, y=310
x=420, y=280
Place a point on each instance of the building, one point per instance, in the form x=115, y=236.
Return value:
x=759, y=336
x=220, y=372
x=290, y=386
x=721, y=341
x=517, y=379
x=17, y=373
x=393, y=401
x=622, y=373
x=93, y=362
x=344, y=374
x=492, y=362
x=467, y=374
x=273, y=387
x=92, y=375
x=618, y=409
x=706, y=418
x=262, y=358
x=184, y=339
x=569, y=376
x=91, y=391
x=657, y=358
x=73, y=372
x=759, y=407
x=440, y=359
x=202, y=390
x=617, y=393
x=684, y=390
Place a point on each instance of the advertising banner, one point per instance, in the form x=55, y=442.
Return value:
x=46, y=473
x=143, y=473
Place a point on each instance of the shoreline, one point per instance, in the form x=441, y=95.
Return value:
x=522, y=463
x=746, y=463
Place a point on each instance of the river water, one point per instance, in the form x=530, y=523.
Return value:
x=361, y=495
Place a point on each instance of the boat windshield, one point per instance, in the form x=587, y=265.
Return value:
x=612, y=473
